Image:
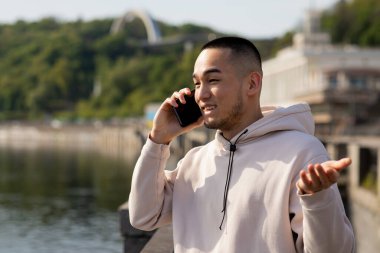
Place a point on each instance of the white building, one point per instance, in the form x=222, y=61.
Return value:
x=341, y=83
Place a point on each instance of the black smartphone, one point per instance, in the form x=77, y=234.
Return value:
x=187, y=113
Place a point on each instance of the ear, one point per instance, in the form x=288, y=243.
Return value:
x=254, y=83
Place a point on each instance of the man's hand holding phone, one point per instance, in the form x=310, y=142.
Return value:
x=189, y=112
x=166, y=124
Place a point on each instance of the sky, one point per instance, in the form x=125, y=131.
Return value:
x=247, y=18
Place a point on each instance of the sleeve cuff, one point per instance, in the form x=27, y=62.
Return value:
x=317, y=200
x=154, y=149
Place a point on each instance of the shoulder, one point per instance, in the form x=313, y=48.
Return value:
x=298, y=138
x=297, y=144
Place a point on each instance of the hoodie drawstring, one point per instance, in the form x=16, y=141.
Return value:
x=229, y=172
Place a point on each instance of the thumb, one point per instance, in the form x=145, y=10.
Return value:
x=338, y=165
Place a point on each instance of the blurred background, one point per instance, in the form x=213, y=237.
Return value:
x=80, y=82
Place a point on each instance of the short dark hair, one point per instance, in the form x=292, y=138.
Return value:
x=239, y=46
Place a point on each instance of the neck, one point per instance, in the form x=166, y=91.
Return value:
x=230, y=133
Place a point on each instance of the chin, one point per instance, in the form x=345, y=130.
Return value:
x=211, y=124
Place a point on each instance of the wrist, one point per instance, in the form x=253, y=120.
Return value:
x=158, y=138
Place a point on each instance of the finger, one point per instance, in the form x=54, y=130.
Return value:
x=325, y=182
x=337, y=165
x=343, y=163
x=300, y=186
x=304, y=182
x=176, y=98
x=171, y=101
x=186, y=90
x=308, y=175
x=316, y=183
x=332, y=175
x=180, y=95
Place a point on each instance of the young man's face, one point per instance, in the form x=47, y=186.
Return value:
x=218, y=89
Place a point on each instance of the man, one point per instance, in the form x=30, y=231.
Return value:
x=245, y=191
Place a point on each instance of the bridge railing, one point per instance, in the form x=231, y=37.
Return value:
x=361, y=184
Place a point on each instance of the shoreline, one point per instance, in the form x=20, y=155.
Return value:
x=123, y=141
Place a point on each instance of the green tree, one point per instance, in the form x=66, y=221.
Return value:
x=354, y=22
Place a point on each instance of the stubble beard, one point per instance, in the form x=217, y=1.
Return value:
x=231, y=120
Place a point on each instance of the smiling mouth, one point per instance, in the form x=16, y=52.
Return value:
x=208, y=108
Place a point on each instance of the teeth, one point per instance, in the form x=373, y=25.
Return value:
x=208, y=108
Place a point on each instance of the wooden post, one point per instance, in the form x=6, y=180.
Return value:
x=134, y=239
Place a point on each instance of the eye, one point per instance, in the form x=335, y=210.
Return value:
x=213, y=80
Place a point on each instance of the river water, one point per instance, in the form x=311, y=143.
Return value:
x=59, y=201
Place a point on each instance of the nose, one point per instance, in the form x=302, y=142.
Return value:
x=202, y=93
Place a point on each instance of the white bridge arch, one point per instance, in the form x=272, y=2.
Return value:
x=152, y=30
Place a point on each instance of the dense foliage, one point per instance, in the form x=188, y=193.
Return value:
x=81, y=70
x=354, y=22
x=78, y=69
x=51, y=68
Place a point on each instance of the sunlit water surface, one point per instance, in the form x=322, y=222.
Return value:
x=54, y=200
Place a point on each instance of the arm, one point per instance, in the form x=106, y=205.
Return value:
x=150, y=199
x=325, y=227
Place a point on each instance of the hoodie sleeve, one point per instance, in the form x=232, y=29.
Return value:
x=150, y=199
x=320, y=223
x=326, y=227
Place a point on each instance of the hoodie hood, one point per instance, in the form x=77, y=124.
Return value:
x=296, y=117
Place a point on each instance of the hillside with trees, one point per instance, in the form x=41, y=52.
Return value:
x=78, y=70
x=354, y=22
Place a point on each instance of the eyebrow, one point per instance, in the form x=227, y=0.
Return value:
x=209, y=71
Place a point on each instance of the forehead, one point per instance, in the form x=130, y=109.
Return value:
x=213, y=58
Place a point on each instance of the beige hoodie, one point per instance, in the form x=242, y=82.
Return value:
x=264, y=212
